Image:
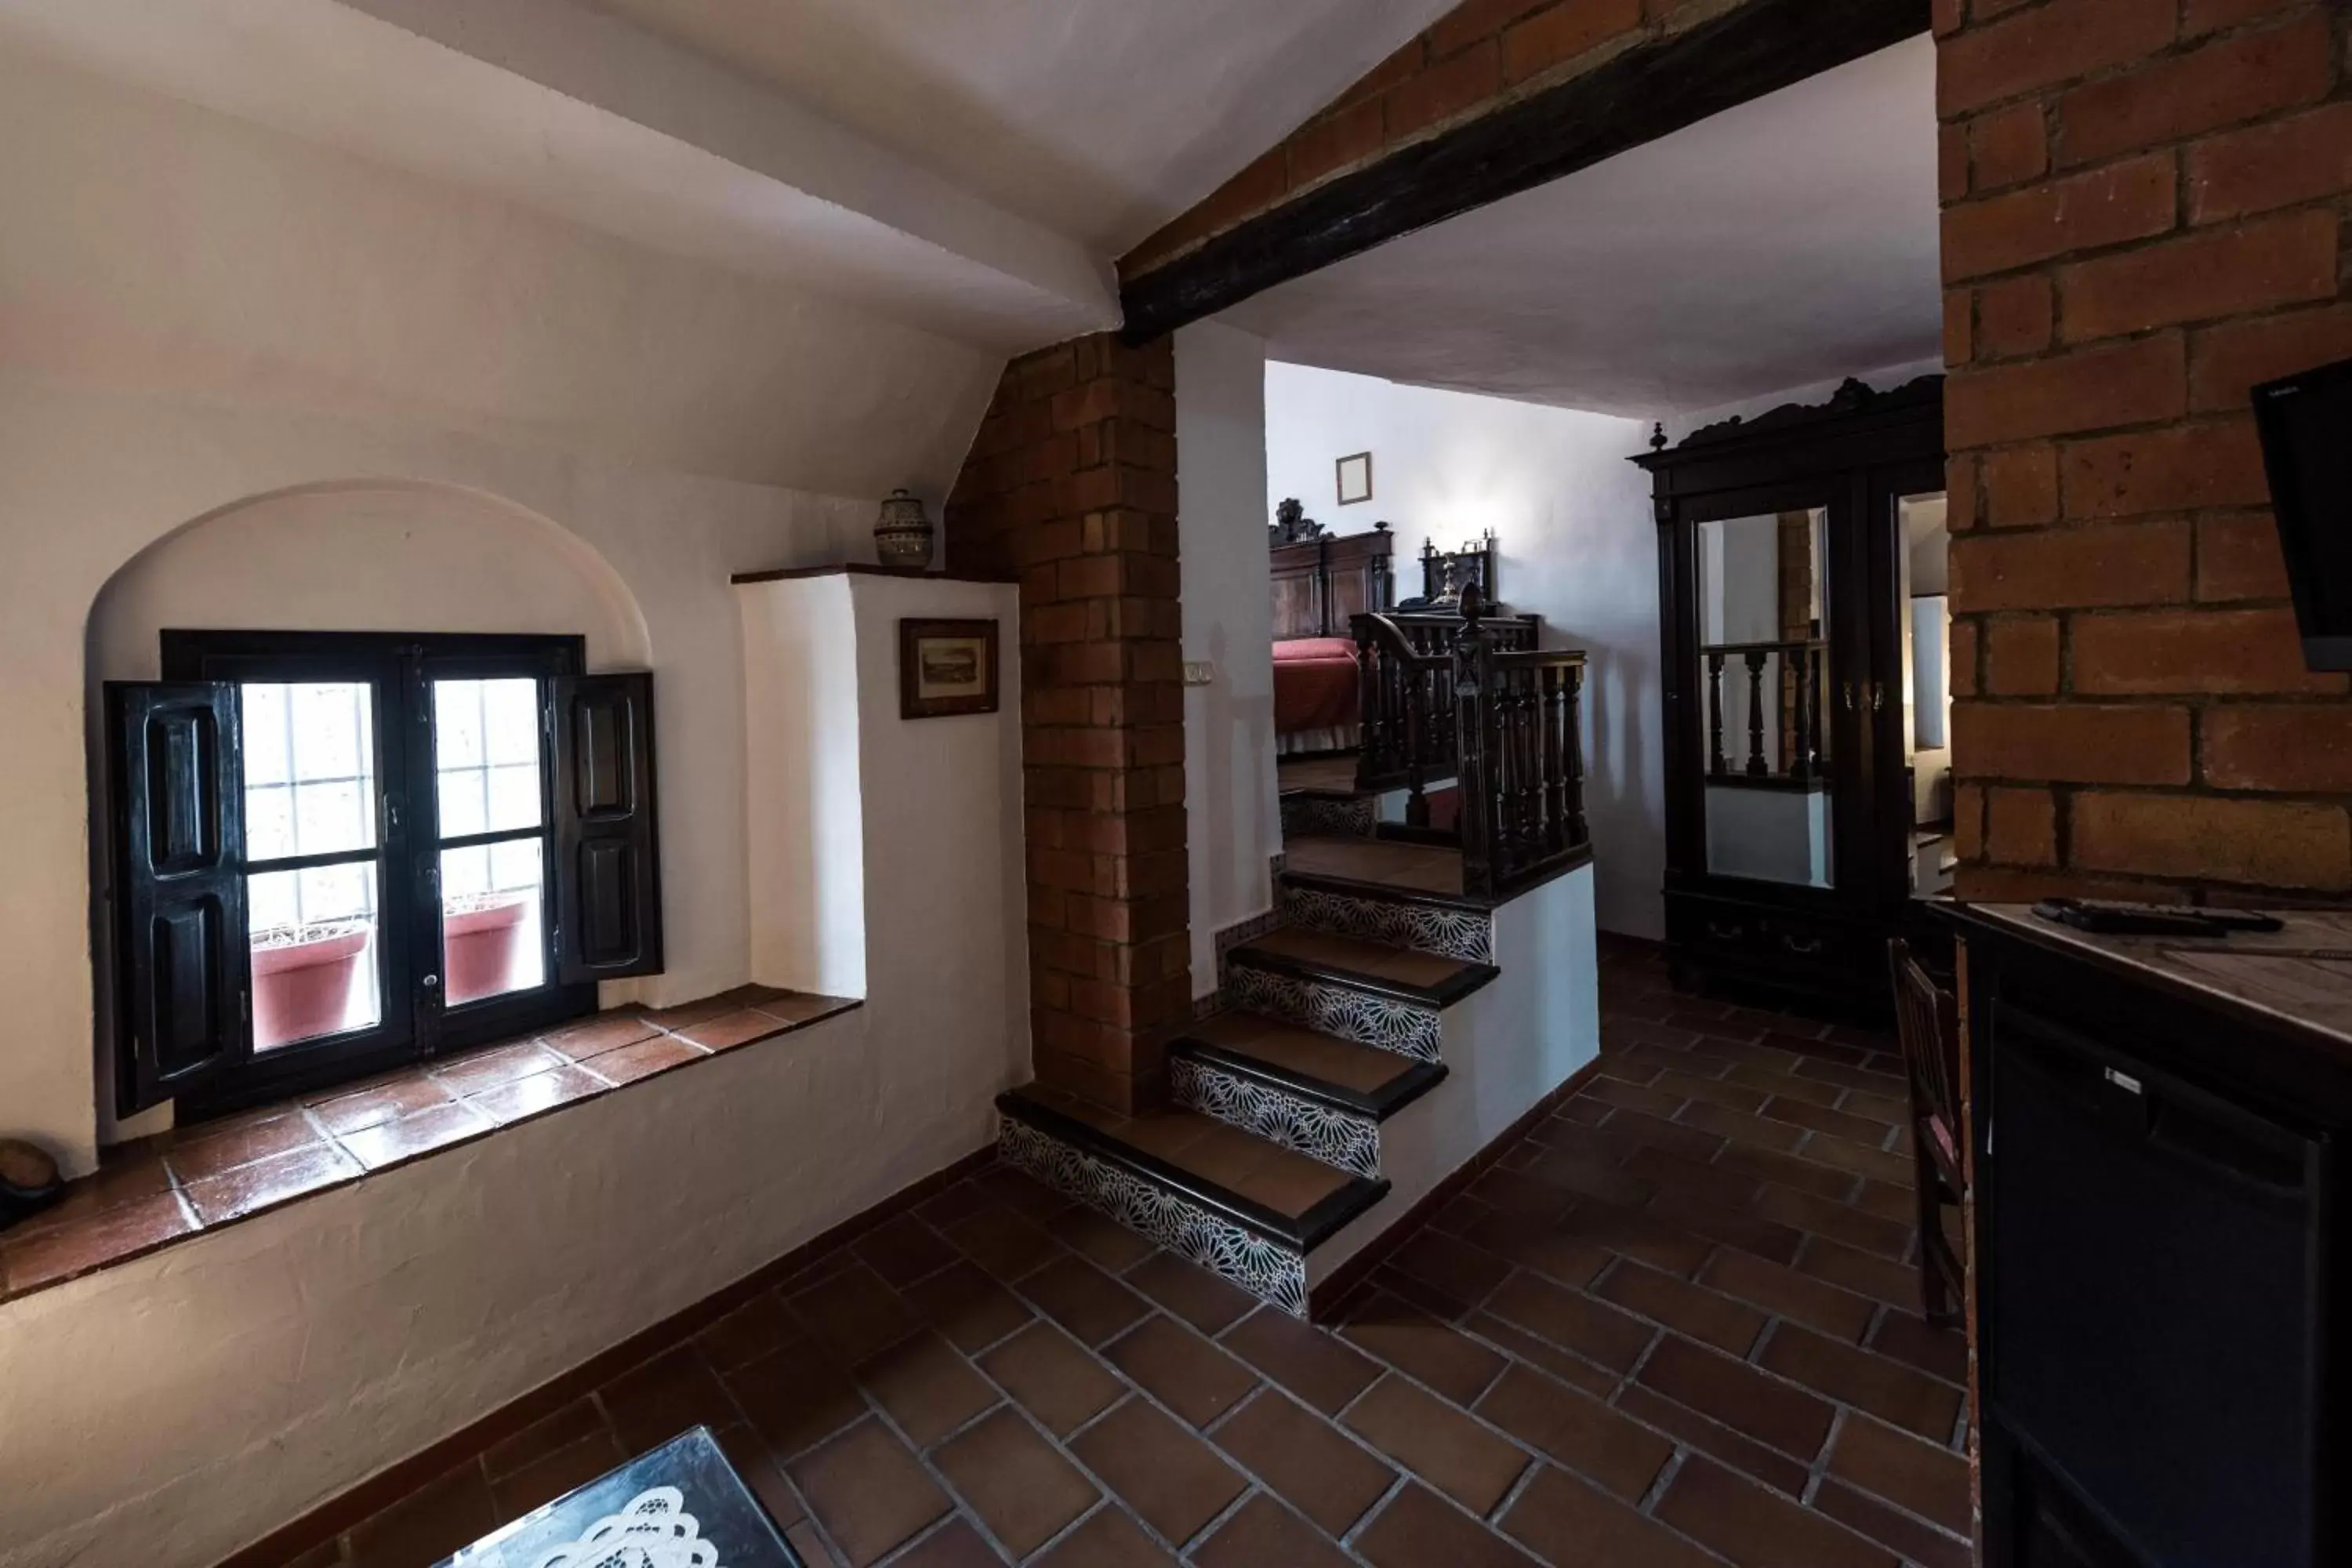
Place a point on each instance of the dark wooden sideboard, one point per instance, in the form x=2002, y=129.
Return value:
x=2161, y=1283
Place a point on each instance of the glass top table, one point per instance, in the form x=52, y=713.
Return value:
x=678, y=1506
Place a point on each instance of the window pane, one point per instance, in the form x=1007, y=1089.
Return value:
x=266, y=739
x=315, y=958
x=321, y=735
x=487, y=754
x=492, y=932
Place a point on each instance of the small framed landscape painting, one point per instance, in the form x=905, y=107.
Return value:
x=946, y=666
x=1355, y=479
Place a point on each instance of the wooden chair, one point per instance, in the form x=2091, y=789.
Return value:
x=1928, y=1016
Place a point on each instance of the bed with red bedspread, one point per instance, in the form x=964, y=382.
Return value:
x=1315, y=685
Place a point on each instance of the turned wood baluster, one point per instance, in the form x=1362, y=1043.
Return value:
x=1715, y=763
x=1801, y=766
x=1757, y=766
x=1574, y=730
x=1416, y=805
x=1474, y=766
x=1555, y=692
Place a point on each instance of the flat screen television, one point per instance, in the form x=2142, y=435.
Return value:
x=2305, y=423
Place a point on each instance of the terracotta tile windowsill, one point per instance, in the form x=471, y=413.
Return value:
x=161, y=1190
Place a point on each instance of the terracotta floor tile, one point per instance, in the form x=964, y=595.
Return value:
x=420, y=1133
x=1049, y=1376
x=749, y=1453
x=1886, y=1388
x=1436, y=1442
x=1576, y=1431
x=1319, y=1368
x=852, y=1313
x=1002, y=1242
x=1181, y=1369
x=1740, y=1396
x=1544, y=1245
x=867, y=1492
x=1741, y=1452
x=1913, y=1541
x=595, y=1037
x=1725, y=1189
x=1261, y=1534
x=1880, y=1279
x=1423, y=1348
x=1790, y=1172
x=1325, y=1476
x=646, y=1057
x=1418, y=1529
x=1024, y=1194
x=795, y=1395
x=1573, y=1370
x=536, y=1095
x=1019, y=1485
x=1698, y=1217
x=1101, y=1240
x=581, y=1418
x=904, y=1250
x=1786, y=1293
x=964, y=1304
x=954, y=1544
x=811, y=1546
x=1837, y=1221
x=248, y=1189
x=1928, y=1478
x=761, y=1324
x=550, y=1476
x=729, y=1030
x=1592, y=1329
x=200, y=1152
x=1202, y=1300
x=1636, y=1235
x=1565, y=1521
x=1704, y=1315
x=1939, y=1353
x=1084, y=1300
x=1466, y=1272
x=1108, y=1538
x=475, y=1071
x=927, y=1387
x=43, y=1257
x=652, y=1403
x=1753, y=1526
x=1173, y=1482
x=1894, y=1170
x=394, y=1097
x=453, y=1510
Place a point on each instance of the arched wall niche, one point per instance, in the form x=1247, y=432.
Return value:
x=370, y=555
x=363, y=556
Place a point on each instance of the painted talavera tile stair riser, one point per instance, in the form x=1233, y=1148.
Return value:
x=1265, y=1269
x=1346, y=818
x=1350, y=1143
x=1466, y=934
x=1380, y=1022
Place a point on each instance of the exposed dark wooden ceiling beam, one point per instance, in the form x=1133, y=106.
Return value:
x=1650, y=91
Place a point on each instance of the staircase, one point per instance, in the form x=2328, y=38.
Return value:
x=1333, y=1024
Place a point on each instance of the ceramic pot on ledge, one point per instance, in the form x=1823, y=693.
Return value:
x=903, y=537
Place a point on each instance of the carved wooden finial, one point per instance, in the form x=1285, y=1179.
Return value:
x=1658, y=436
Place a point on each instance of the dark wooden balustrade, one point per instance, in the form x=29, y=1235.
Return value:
x=1795, y=701
x=1519, y=712
x=1405, y=666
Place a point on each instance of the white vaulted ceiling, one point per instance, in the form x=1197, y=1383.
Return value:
x=1102, y=119
x=1791, y=241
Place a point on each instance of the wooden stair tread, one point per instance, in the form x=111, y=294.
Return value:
x=1373, y=862
x=1303, y=1052
x=1429, y=978
x=1300, y=1195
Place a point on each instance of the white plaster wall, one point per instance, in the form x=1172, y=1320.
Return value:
x=1233, y=821
x=1578, y=546
x=205, y=312
x=1504, y=1045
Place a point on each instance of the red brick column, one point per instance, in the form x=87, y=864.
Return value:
x=1071, y=485
x=2144, y=209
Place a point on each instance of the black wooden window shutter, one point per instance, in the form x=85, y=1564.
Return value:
x=181, y=967
x=609, y=887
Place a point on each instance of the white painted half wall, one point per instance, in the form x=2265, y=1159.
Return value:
x=1233, y=822
x=325, y=392
x=1571, y=518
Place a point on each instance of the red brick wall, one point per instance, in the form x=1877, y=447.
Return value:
x=1480, y=55
x=2144, y=210
x=1071, y=487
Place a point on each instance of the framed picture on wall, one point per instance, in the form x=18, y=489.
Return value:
x=946, y=666
x=1355, y=479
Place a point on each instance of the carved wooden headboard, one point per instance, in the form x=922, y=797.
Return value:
x=1445, y=572
x=1322, y=580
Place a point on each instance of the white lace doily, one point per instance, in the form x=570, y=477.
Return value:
x=653, y=1531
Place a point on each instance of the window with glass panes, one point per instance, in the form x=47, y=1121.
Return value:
x=397, y=836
